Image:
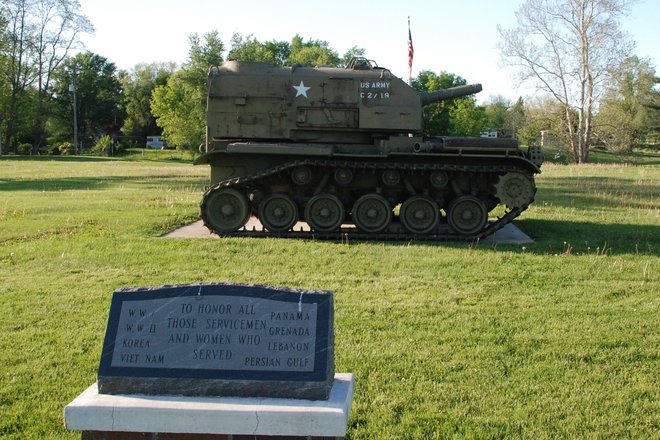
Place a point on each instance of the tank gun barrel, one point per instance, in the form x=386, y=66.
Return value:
x=445, y=94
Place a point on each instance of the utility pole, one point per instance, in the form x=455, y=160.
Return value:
x=72, y=88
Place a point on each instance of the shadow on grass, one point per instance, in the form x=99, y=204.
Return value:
x=183, y=158
x=57, y=159
x=555, y=236
x=87, y=183
x=605, y=157
x=72, y=183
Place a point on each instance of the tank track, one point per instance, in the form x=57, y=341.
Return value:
x=395, y=232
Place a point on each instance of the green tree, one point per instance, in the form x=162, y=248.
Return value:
x=179, y=111
x=98, y=95
x=178, y=106
x=438, y=116
x=312, y=53
x=630, y=113
x=138, y=86
x=496, y=115
x=503, y=116
x=5, y=85
x=517, y=117
x=40, y=34
x=205, y=51
x=538, y=118
x=466, y=118
x=250, y=49
x=543, y=124
x=281, y=53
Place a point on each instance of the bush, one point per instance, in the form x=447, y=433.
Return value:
x=53, y=150
x=25, y=149
x=66, y=149
x=103, y=145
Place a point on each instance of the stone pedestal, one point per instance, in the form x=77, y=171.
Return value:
x=110, y=417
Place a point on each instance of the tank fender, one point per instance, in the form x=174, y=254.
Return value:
x=529, y=165
x=258, y=148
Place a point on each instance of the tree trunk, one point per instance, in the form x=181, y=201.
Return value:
x=571, y=134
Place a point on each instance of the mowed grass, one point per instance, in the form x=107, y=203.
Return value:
x=557, y=339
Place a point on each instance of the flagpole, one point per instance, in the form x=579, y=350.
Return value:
x=411, y=53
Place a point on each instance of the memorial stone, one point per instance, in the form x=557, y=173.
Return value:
x=219, y=340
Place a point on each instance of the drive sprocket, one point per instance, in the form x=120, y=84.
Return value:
x=515, y=189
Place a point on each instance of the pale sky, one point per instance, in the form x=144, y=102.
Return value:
x=457, y=36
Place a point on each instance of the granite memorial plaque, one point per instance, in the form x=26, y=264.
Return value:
x=219, y=340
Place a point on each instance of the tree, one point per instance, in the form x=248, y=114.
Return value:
x=138, y=86
x=250, y=49
x=203, y=54
x=58, y=25
x=517, y=117
x=452, y=117
x=178, y=106
x=568, y=48
x=503, y=116
x=17, y=72
x=40, y=33
x=496, y=112
x=98, y=94
x=179, y=111
x=281, y=53
x=466, y=118
x=630, y=112
x=312, y=53
x=4, y=78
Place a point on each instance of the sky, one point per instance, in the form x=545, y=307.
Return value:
x=448, y=35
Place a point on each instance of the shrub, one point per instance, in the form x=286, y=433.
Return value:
x=25, y=149
x=66, y=149
x=103, y=145
x=53, y=150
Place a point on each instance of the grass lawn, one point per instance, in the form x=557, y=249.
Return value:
x=559, y=339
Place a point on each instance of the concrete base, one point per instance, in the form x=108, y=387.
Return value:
x=176, y=417
x=509, y=234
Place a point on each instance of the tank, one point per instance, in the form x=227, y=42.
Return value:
x=343, y=150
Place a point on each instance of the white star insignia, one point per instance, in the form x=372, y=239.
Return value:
x=301, y=90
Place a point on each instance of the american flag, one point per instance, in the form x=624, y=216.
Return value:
x=411, y=52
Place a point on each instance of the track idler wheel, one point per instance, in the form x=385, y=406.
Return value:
x=225, y=210
x=420, y=214
x=467, y=215
x=324, y=213
x=514, y=189
x=372, y=213
x=278, y=212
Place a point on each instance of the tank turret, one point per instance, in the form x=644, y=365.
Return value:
x=251, y=100
x=344, y=151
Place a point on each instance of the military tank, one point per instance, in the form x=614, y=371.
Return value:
x=342, y=149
